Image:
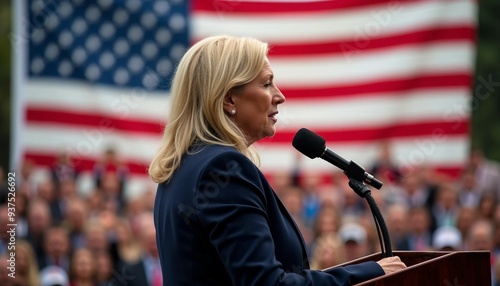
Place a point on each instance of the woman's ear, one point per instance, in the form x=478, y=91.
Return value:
x=229, y=104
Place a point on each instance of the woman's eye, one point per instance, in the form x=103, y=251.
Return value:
x=267, y=84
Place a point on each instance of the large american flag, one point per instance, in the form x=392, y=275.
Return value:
x=96, y=74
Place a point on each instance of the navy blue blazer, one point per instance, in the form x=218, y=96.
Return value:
x=218, y=222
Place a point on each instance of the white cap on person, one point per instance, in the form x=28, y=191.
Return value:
x=53, y=276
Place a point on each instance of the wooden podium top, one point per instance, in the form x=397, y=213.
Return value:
x=457, y=268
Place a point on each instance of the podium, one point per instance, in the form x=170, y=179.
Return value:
x=457, y=268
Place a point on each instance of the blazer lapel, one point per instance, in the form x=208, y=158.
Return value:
x=284, y=211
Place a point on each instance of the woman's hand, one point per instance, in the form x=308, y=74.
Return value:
x=391, y=264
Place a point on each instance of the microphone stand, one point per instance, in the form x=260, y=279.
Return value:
x=355, y=173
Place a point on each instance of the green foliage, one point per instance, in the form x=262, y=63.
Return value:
x=485, y=131
x=5, y=77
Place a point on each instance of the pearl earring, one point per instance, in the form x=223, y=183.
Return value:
x=233, y=112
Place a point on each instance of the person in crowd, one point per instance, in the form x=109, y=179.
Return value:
x=25, y=181
x=414, y=192
x=310, y=183
x=353, y=206
x=54, y=276
x=496, y=274
x=397, y=216
x=56, y=248
x=469, y=194
x=146, y=271
x=110, y=186
x=293, y=200
x=447, y=238
x=372, y=239
x=105, y=269
x=63, y=169
x=108, y=218
x=487, y=206
x=281, y=180
x=496, y=240
x=96, y=236
x=125, y=248
x=419, y=235
x=481, y=237
x=486, y=172
x=328, y=221
x=215, y=211
x=354, y=238
x=21, y=209
x=465, y=218
x=67, y=191
x=148, y=197
x=445, y=209
x=48, y=192
x=430, y=180
x=39, y=220
x=328, y=251
x=83, y=270
x=94, y=204
x=384, y=165
x=134, y=208
x=26, y=264
x=4, y=270
x=75, y=219
x=111, y=174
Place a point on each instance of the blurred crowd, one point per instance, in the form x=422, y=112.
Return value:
x=106, y=238
x=424, y=210
x=66, y=238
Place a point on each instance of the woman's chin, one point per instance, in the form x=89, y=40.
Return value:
x=270, y=132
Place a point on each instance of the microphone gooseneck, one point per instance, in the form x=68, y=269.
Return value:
x=314, y=146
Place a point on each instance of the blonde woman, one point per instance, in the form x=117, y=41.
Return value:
x=26, y=264
x=218, y=221
x=83, y=269
x=126, y=247
x=328, y=250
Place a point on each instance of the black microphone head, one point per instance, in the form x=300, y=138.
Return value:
x=309, y=143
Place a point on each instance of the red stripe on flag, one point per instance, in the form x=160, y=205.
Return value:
x=95, y=120
x=259, y=7
x=350, y=47
x=358, y=134
x=439, y=129
x=396, y=86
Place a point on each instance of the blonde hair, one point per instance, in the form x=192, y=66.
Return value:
x=207, y=72
x=327, y=244
x=32, y=274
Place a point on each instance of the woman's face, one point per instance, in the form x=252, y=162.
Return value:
x=256, y=106
x=83, y=264
x=22, y=261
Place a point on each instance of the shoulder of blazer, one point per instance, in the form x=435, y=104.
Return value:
x=207, y=155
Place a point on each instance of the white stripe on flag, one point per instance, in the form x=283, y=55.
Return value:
x=390, y=63
x=342, y=24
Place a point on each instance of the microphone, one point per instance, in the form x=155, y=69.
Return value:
x=313, y=146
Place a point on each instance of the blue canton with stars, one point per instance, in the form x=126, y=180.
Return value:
x=128, y=43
